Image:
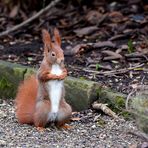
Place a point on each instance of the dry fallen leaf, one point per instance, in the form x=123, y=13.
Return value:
x=111, y=55
x=104, y=44
x=86, y=30
x=116, y=17
x=14, y=11
x=93, y=17
x=88, y=46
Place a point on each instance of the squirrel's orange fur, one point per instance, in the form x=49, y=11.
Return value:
x=26, y=100
x=40, y=98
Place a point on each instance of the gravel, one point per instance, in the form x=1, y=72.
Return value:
x=90, y=129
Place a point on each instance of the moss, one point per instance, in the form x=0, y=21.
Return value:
x=127, y=115
x=10, y=76
x=82, y=78
x=20, y=72
x=142, y=122
x=76, y=84
x=119, y=102
x=145, y=103
x=29, y=71
x=4, y=83
x=115, y=100
x=140, y=106
x=80, y=93
x=99, y=92
x=101, y=123
x=7, y=88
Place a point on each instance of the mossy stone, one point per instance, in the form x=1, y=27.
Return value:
x=10, y=76
x=80, y=93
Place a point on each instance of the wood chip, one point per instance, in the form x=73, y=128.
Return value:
x=104, y=108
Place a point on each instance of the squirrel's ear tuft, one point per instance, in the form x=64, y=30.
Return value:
x=46, y=38
x=57, y=36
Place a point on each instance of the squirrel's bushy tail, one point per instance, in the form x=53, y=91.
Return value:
x=25, y=100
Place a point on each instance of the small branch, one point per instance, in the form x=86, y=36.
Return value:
x=104, y=108
x=53, y=3
x=112, y=72
x=143, y=55
x=136, y=55
x=128, y=98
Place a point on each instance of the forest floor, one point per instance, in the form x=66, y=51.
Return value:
x=102, y=41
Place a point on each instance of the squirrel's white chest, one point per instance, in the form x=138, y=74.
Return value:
x=54, y=88
x=56, y=69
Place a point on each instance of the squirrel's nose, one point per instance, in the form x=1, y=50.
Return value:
x=60, y=60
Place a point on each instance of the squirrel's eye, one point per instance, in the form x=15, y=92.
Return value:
x=53, y=54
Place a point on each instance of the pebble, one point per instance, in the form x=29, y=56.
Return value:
x=2, y=143
x=83, y=134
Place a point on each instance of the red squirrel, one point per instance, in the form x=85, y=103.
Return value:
x=40, y=98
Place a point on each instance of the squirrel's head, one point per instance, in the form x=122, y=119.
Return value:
x=53, y=52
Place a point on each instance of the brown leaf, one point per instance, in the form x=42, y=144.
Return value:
x=86, y=30
x=104, y=44
x=14, y=11
x=116, y=17
x=76, y=50
x=93, y=17
x=111, y=55
x=88, y=46
x=23, y=15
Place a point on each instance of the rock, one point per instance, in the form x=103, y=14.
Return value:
x=2, y=114
x=2, y=143
x=10, y=76
x=79, y=93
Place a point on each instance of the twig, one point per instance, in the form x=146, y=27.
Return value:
x=53, y=3
x=128, y=98
x=100, y=66
x=113, y=72
x=137, y=55
x=104, y=108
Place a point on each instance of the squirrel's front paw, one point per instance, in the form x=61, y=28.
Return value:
x=53, y=77
x=62, y=77
x=40, y=129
